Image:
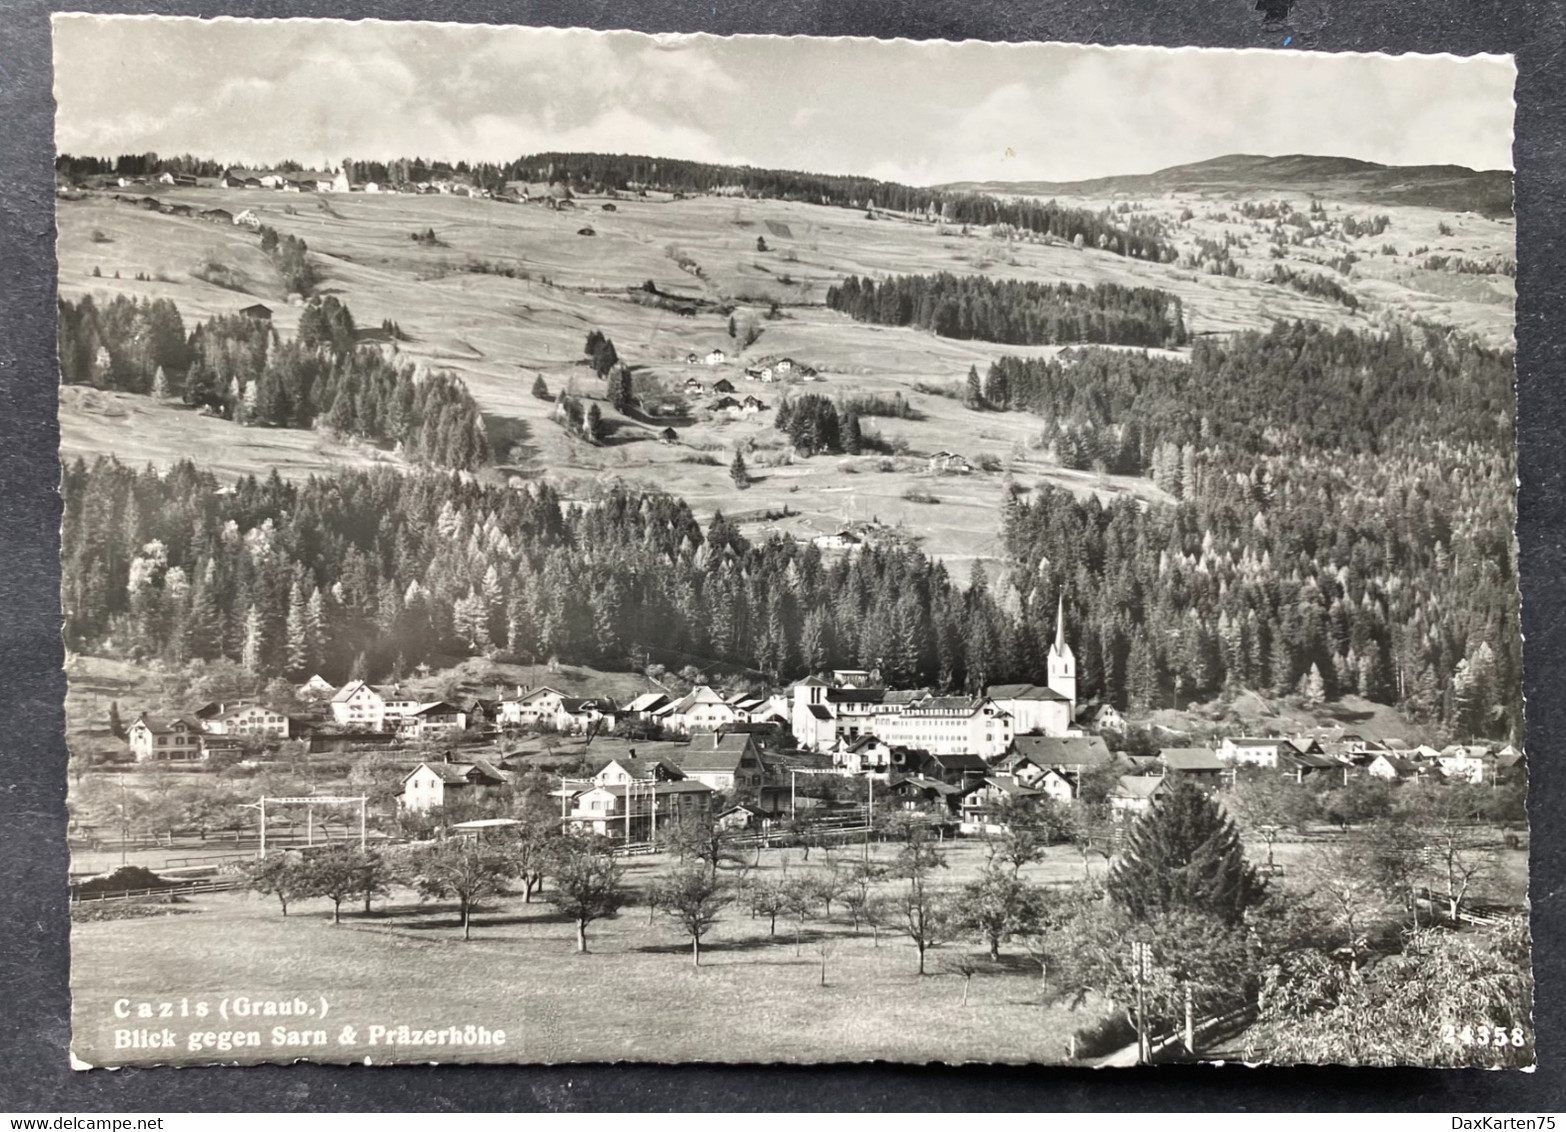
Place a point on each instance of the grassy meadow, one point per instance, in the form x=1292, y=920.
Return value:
x=636, y=995
x=507, y=293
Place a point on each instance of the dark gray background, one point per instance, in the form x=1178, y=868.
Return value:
x=34, y=925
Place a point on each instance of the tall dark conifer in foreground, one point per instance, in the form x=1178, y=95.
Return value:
x=1185, y=853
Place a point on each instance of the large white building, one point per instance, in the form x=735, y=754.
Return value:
x=826, y=715
x=949, y=725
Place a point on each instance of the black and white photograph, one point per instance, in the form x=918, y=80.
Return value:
x=590, y=546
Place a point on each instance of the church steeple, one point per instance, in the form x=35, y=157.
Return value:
x=1062, y=666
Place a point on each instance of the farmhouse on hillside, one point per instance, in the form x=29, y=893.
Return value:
x=434, y=784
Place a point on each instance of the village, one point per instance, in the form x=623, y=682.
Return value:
x=838, y=744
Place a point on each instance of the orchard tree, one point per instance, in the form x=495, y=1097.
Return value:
x=994, y=906
x=464, y=869
x=692, y=897
x=586, y=884
x=282, y=875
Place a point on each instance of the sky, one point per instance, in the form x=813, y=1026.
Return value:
x=318, y=91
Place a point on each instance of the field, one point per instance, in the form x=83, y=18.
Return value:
x=508, y=293
x=635, y=996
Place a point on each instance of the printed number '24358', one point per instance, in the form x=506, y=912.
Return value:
x=1484, y=1035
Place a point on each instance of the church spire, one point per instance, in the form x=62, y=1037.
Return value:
x=1060, y=623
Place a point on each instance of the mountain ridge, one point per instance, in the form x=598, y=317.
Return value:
x=1455, y=187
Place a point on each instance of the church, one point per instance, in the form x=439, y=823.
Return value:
x=825, y=714
x=1052, y=709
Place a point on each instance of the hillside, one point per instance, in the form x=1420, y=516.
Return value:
x=1448, y=187
x=506, y=293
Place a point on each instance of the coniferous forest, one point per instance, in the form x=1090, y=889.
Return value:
x=1309, y=546
x=1014, y=311
x=239, y=368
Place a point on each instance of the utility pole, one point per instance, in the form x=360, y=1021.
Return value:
x=1140, y=963
x=1190, y=1021
x=124, y=822
x=793, y=795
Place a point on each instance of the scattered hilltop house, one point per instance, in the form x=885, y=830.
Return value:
x=434, y=784
x=838, y=540
x=723, y=385
x=217, y=215
x=228, y=179
x=760, y=373
x=949, y=725
x=693, y=386
x=316, y=688
x=1135, y=794
x=248, y=719
x=867, y=756
x=668, y=436
x=726, y=763
x=724, y=405
x=158, y=739
x=752, y=405
x=247, y=219
x=715, y=358
x=783, y=365
x=1199, y=764
x=950, y=462
x=357, y=705
x=259, y=312
x=691, y=359
x=434, y=721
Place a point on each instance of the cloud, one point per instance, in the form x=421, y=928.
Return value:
x=318, y=90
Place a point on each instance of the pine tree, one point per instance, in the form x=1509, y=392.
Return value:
x=1185, y=853
x=540, y=388
x=973, y=397
x=738, y=472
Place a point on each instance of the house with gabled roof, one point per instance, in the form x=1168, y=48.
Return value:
x=436, y=784
x=868, y=755
x=358, y=705
x=248, y=719
x=700, y=709
x=727, y=763
x=434, y=721
x=1135, y=794
x=637, y=809
x=165, y=738
x=1201, y=764
x=1067, y=753
x=531, y=707
x=992, y=797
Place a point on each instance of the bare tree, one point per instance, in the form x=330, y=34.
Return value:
x=927, y=918
x=586, y=885
x=693, y=897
